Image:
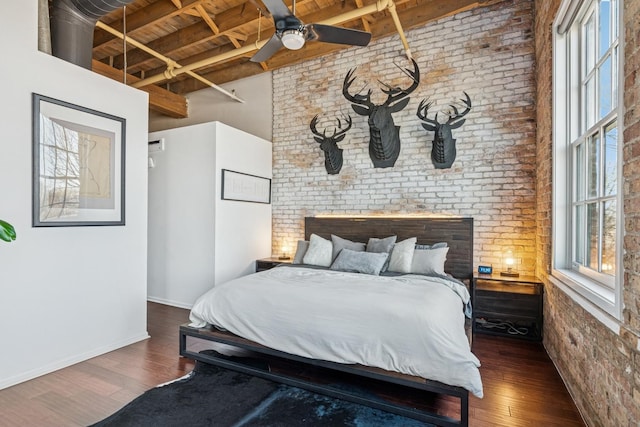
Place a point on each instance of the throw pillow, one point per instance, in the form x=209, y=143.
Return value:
x=429, y=261
x=339, y=244
x=382, y=245
x=402, y=256
x=434, y=246
x=301, y=250
x=319, y=252
x=360, y=262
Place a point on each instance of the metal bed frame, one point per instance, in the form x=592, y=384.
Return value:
x=376, y=374
x=457, y=232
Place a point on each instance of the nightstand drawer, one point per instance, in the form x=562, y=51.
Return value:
x=508, y=303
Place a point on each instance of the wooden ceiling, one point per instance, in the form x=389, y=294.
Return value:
x=217, y=37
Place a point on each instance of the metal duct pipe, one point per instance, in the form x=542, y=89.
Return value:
x=72, y=25
x=44, y=30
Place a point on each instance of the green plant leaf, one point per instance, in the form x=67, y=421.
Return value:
x=7, y=232
x=4, y=236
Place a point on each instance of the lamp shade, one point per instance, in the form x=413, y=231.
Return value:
x=509, y=262
x=292, y=39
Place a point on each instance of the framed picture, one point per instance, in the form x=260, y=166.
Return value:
x=245, y=188
x=78, y=165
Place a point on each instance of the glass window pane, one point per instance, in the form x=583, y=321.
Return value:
x=589, y=45
x=614, y=79
x=609, y=238
x=580, y=173
x=579, y=234
x=614, y=20
x=589, y=104
x=592, y=75
x=604, y=22
x=593, y=166
x=593, y=220
x=610, y=160
x=604, y=84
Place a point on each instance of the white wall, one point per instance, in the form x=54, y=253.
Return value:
x=197, y=240
x=243, y=230
x=253, y=116
x=66, y=293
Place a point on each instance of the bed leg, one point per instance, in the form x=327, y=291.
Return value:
x=183, y=343
x=464, y=410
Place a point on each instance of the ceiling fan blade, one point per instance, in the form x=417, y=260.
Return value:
x=340, y=35
x=277, y=9
x=272, y=46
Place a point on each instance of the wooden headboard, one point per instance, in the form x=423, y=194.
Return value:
x=457, y=232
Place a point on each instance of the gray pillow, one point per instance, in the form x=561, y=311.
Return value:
x=434, y=246
x=301, y=250
x=339, y=244
x=382, y=245
x=319, y=252
x=429, y=261
x=360, y=262
x=402, y=255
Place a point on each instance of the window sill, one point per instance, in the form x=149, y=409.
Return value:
x=596, y=300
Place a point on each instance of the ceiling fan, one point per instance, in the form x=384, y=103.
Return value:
x=292, y=33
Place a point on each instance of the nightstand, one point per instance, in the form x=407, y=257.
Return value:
x=507, y=306
x=268, y=263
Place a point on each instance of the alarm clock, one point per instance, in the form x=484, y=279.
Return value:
x=485, y=269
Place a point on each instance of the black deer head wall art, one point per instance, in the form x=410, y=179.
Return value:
x=443, y=151
x=329, y=144
x=384, y=142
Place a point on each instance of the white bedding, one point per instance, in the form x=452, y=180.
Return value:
x=411, y=324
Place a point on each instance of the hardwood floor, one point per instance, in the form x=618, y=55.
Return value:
x=521, y=385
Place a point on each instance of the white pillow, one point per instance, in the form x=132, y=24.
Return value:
x=429, y=261
x=319, y=252
x=402, y=256
x=301, y=250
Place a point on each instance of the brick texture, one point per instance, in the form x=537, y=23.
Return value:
x=601, y=368
x=487, y=52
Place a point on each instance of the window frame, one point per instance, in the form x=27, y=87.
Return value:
x=595, y=292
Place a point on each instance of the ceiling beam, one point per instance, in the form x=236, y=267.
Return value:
x=223, y=62
x=182, y=39
x=232, y=23
x=151, y=15
x=420, y=12
x=160, y=100
x=225, y=55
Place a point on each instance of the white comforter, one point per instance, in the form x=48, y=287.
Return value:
x=410, y=324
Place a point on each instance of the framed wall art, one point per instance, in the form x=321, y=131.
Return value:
x=78, y=165
x=245, y=188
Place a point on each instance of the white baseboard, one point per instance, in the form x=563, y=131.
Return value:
x=52, y=367
x=169, y=302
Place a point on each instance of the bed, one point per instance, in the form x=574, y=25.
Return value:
x=402, y=329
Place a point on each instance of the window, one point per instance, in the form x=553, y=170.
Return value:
x=587, y=151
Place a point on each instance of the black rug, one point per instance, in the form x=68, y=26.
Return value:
x=214, y=396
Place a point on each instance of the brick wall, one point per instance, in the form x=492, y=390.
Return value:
x=487, y=52
x=600, y=368
x=631, y=169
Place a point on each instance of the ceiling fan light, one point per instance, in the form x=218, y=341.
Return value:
x=292, y=39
